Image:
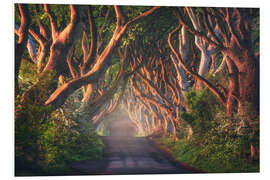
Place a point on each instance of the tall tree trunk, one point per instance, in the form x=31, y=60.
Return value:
x=21, y=44
x=233, y=88
x=248, y=79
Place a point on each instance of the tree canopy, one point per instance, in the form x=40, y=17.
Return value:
x=172, y=69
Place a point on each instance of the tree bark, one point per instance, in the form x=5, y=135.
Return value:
x=21, y=44
x=60, y=95
x=63, y=41
x=233, y=88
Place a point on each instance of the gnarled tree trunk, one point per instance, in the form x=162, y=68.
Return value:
x=21, y=44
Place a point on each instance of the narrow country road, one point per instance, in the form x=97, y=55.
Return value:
x=129, y=155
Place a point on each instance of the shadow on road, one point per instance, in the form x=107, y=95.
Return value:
x=129, y=155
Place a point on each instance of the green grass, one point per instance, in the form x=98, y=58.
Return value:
x=211, y=158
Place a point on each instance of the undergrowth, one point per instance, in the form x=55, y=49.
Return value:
x=212, y=142
x=47, y=140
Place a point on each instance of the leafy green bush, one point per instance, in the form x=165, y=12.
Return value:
x=219, y=143
x=49, y=139
x=30, y=125
x=214, y=158
x=202, y=107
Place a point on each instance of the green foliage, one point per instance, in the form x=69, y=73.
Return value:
x=219, y=143
x=202, y=108
x=220, y=79
x=78, y=141
x=131, y=34
x=27, y=75
x=30, y=127
x=112, y=72
x=49, y=139
x=256, y=28
x=107, y=75
x=115, y=69
x=62, y=12
x=211, y=78
x=82, y=140
x=104, y=130
x=213, y=158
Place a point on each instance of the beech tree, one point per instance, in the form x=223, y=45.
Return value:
x=20, y=44
x=145, y=58
x=58, y=97
x=237, y=45
x=61, y=44
x=233, y=40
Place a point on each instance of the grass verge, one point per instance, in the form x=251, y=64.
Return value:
x=212, y=158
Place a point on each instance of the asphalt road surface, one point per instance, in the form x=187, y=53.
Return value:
x=129, y=155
